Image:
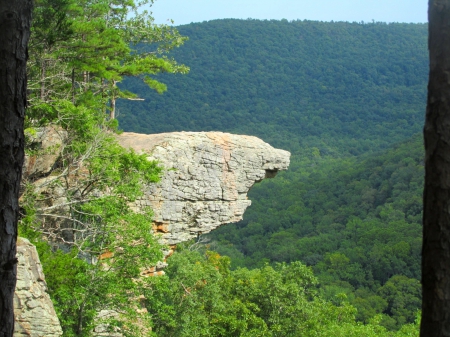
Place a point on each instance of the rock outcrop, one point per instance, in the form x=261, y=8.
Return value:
x=205, y=183
x=49, y=142
x=206, y=179
x=33, y=309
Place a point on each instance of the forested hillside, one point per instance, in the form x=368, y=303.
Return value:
x=329, y=248
x=347, y=99
x=345, y=88
x=356, y=221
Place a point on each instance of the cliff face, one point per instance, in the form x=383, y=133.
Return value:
x=207, y=177
x=33, y=309
x=205, y=183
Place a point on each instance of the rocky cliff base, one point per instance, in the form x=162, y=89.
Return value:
x=33, y=309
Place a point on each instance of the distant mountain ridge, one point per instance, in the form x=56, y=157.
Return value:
x=345, y=88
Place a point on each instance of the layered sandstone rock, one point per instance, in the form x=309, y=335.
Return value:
x=206, y=179
x=33, y=309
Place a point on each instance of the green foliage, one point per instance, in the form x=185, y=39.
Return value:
x=325, y=91
x=68, y=279
x=80, y=289
x=339, y=87
x=96, y=179
x=84, y=48
x=97, y=196
x=339, y=96
x=404, y=297
x=356, y=221
x=201, y=296
x=93, y=246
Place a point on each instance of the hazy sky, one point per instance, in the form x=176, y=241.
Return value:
x=187, y=11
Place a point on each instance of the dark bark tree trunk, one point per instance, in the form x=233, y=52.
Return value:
x=15, y=18
x=436, y=217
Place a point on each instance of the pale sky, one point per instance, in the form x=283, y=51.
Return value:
x=187, y=11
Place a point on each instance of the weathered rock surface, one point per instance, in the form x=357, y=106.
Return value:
x=207, y=177
x=33, y=309
x=205, y=184
x=49, y=141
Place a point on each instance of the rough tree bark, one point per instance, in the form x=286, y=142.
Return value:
x=436, y=217
x=15, y=18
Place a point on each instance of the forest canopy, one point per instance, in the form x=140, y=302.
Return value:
x=343, y=88
x=347, y=99
x=334, y=241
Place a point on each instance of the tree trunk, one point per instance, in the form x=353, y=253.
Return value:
x=15, y=18
x=436, y=217
x=112, y=110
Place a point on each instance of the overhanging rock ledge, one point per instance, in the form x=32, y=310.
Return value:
x=206, y=178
